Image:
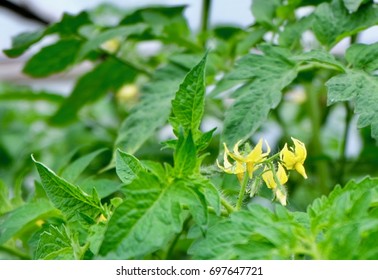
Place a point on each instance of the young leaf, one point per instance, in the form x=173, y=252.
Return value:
x=53, y=59
x=68, y=198
x=360, y=88
x=55, y=244
x=333, y=22
x=149, y=217
x=72, y=171
x=128, y=167
x=189, y=103
x=109, y=75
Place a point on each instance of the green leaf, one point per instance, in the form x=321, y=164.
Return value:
x=69, y=24
x=109, y=75
x=66, y=27
x=104, y=187
x=363, y=56
x=68, y=198
x=15, y=221
x=96, y=236
x=23, y=41
x=264, y=76
x=185, y=156
x=264, y=10
x=53, y=59
x=189, y=103
x=72, y=171
x=160, y=20
x=252, y=234
x=292, y=33
x=345, y=222
x=361, y=89
x=149, y=218
x=55, y=244
x=153, y=110
x=333, y=22
x=128, y=167
x=101, y=38
x=211, y=194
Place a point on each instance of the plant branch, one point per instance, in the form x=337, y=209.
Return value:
x=227, y=205
x=317, y=148
x=23, y=12
x=206, y=6
x=242, y=192
x=344, y=142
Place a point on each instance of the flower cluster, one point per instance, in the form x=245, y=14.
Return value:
x=244, y=165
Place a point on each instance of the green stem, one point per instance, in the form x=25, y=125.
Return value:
x=344, y=142
x=130, y=64
x=227, y=205
x=206, y=6
x=317, y=148
x=242, y=193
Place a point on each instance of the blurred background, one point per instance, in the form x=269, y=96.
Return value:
x=30, y=15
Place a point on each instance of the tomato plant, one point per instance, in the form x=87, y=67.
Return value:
x=222, y=143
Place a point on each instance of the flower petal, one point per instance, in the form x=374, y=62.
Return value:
x=301, y=170
x=268, y=178
x=288, y=158
x=281, y=174
x=300, y=150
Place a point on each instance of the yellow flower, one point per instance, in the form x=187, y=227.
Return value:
x=253, y=158
x=237, y=167
x=294, y=158
x=270, y=181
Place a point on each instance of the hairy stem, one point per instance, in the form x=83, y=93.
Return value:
x=242, y=193
x=227, y=205
x=314, y=109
